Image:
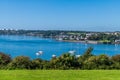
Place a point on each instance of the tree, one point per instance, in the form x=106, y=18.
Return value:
x=88, y=53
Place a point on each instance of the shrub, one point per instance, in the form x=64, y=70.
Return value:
x=4, y=58
x=20, y=62
x=37, y=64
x=116, y=58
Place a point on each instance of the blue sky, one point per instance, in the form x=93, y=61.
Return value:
x=89, y=15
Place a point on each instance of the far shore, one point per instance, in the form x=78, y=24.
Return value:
x=72, y=41
x=87, y=41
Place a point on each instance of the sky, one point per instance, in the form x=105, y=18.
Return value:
x=85, y=15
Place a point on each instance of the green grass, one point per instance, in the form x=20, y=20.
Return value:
x=59, y=75
x=104, y=41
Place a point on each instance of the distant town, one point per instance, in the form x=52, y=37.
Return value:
x=69, y=36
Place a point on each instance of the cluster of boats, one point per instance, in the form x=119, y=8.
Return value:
x=72, y=52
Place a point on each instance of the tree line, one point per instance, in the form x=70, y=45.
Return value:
x=66, y=61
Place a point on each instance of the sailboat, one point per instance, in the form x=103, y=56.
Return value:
x=39, y=53
x=77, y=56
x=72, y=52
x=53, y=56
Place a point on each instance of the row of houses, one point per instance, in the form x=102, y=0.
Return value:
x=74, y=37
x=86, y=36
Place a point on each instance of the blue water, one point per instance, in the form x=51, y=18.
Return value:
x=28, y=46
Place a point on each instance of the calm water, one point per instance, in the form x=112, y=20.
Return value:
x=28, y=46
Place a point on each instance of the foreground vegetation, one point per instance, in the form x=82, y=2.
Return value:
x=66, y=61
x=59, y=75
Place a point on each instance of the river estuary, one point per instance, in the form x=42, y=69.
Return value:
x=29, y=46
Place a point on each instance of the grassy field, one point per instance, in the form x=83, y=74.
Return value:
x=59, y=75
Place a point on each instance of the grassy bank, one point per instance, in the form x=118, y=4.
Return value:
x=59, y=75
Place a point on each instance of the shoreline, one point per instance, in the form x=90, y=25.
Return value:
x=87, y=42
x=72, y=41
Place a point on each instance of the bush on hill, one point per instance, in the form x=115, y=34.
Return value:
x=65, y=61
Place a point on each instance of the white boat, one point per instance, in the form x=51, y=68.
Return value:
x=53, y=56
x=72, y=52
x=39, y=53
x=77, y=56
